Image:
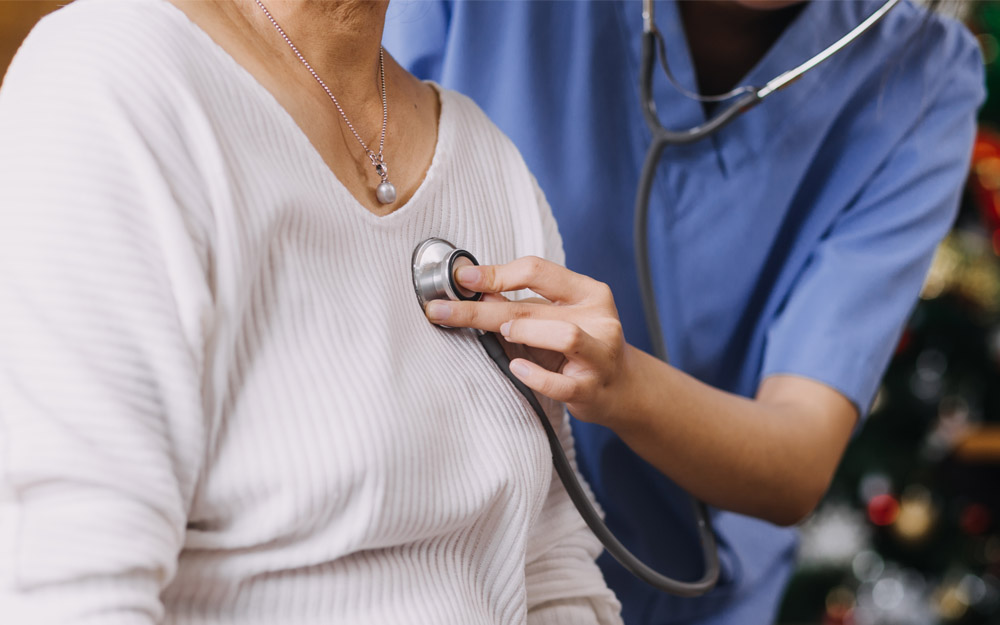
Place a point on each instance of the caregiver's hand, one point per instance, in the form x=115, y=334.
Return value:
x=577, y=351
x=771, y=456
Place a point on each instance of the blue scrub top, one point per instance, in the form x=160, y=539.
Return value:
x=793, y=242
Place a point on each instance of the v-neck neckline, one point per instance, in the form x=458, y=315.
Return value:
x=442, y=145
x=747, y=135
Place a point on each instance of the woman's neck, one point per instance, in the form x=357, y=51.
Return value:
x=340, y=40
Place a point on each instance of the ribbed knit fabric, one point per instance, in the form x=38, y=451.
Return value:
x=219, y=399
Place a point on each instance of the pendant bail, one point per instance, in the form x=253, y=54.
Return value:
x=381, y=167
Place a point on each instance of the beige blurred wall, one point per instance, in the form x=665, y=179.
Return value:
x=16, y=19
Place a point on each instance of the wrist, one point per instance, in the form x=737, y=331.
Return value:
x=630, y=416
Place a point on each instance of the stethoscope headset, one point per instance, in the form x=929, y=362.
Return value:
x=435, y=261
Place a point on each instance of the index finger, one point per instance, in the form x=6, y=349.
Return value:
x=553, y=282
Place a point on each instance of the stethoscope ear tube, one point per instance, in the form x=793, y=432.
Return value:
x=661, y=138
x=663, y=135
x=590, y=516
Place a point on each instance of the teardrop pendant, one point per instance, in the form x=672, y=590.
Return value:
x=386, y=192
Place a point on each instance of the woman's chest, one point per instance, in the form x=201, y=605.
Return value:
x=341, y=410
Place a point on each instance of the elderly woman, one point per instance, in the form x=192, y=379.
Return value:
x=220, y=401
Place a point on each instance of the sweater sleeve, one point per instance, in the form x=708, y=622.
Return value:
x=564, y=584
x=101, y=417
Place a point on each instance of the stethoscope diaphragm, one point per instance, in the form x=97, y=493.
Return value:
x=434, y=264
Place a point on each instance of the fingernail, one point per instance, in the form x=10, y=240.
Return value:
x=438, y=310
x=519, y=369
x=505, y=329
x=467, y=276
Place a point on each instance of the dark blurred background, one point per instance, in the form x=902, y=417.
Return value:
x=909, y=533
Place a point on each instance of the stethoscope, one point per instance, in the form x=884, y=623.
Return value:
x=435, y=261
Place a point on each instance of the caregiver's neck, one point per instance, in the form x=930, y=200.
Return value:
x=727, y=38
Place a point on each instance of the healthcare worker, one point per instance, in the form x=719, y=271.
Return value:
x=786, y=251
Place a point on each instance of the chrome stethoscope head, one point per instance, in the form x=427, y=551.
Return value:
x=434, y=264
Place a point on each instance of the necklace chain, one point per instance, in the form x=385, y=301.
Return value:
x=381, y=168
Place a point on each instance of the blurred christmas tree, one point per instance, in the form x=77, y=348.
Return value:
x=909, y=533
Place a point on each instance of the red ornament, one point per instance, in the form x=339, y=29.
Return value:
x=904, y=340
x=883, y=509
x=839, y=618
x=984, y=179
x=975, y=519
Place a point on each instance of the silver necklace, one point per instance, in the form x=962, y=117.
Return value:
x=385, y=191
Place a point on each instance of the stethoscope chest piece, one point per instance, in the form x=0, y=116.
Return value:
x=434, y=264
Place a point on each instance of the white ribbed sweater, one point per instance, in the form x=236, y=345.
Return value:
x=219, y=399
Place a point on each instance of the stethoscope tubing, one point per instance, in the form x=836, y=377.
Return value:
x=706, y=535
x=661, y=137
x=434, y=255
x=433, y=266
x=590, y=515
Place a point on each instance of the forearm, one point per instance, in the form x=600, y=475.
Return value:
x=765, y=457
x=771, y=457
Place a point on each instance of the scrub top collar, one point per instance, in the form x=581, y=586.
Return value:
x=819, y=24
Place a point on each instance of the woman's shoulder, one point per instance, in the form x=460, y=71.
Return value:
x=474, y=138
x=102, y=73
x=91, y=114
x=473, y=123
x=124, y=48
x=486, y=152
